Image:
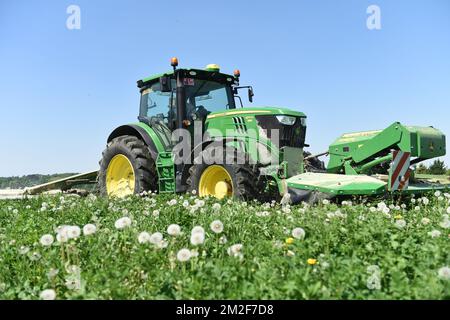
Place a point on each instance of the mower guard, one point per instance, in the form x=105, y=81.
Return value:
x=316, y=186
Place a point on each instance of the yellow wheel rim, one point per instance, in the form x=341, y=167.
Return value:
x=215, y=181
x=120, y=178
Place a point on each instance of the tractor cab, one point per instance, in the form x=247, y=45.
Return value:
x=175, y=99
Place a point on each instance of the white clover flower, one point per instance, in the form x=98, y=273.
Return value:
x=235, y=250
x=445, y=224
x=35, y=256
x=372, y=209
x=199, y=203
x=286, y=209
x=52, y=273
x=413, y=201
x=326, y=202
x=400, y=224
x=444, y=273
x=425, y=221
x=262, y=214
x=144, y=237
x=381, y=205
x=223, y=240
x=48, y=294
x=156, y=238
x=194, y=192
x=162, y=244
x=425, y=201
x=217, y=226
x=184, y=255
x=386, y=210
x=417, y=208
x=435, y=234
x=448, y=210
x=155, y=213
x=197, y=238
x=172, y=202
x=374, y=269
x=197, y=229
x=89, y=229
x=73, y=232
x=437, y=194
x=24, y=250
x=174, y=230
x=62, y=237
x=122, y=223
x=46, y=240
x=216, y=206
x=298, y=233
x=73, y=283
x=373, y=282
x=185, y=203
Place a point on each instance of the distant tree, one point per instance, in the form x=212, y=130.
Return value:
x=448, y=172
x=29, y=180
x=421, y=169
x=437, y=167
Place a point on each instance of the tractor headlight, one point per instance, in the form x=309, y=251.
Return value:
x=286, y=120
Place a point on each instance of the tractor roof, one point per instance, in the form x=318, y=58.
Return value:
x=215, y=75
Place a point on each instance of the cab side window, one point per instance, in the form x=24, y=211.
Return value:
x=157, y=105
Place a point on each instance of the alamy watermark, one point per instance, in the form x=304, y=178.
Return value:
x=73, y=21
x=373, y=21
x=216, y=147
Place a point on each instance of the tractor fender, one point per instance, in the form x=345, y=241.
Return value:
x=136, y=131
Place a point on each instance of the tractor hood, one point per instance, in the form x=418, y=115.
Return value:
x=253, y=111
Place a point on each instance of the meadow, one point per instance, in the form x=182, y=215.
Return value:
x=182, y=247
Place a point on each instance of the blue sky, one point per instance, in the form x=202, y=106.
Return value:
x=63, y=91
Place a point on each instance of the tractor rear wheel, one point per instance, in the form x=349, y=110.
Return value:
x=126, y=168
x=229, y=176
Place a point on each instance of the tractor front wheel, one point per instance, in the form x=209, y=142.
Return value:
x=126, y=168
x=229, y=175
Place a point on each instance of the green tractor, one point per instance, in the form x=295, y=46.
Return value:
x=194, y=135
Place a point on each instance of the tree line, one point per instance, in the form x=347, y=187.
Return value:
x=437, y=168
x=30, y=180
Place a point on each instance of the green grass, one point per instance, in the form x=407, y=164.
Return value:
x=114, y=265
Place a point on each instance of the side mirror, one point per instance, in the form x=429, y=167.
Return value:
x=250, y=94
x=166, y=84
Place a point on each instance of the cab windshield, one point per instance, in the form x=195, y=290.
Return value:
x=207, y=95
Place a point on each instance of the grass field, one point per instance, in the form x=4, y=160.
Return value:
x=251, y=251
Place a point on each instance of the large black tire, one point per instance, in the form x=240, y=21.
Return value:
x=244, y=175
x=146, y=177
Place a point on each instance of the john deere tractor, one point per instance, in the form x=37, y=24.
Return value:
x=252, y=152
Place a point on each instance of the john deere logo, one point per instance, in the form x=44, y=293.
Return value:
x=431, y=146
